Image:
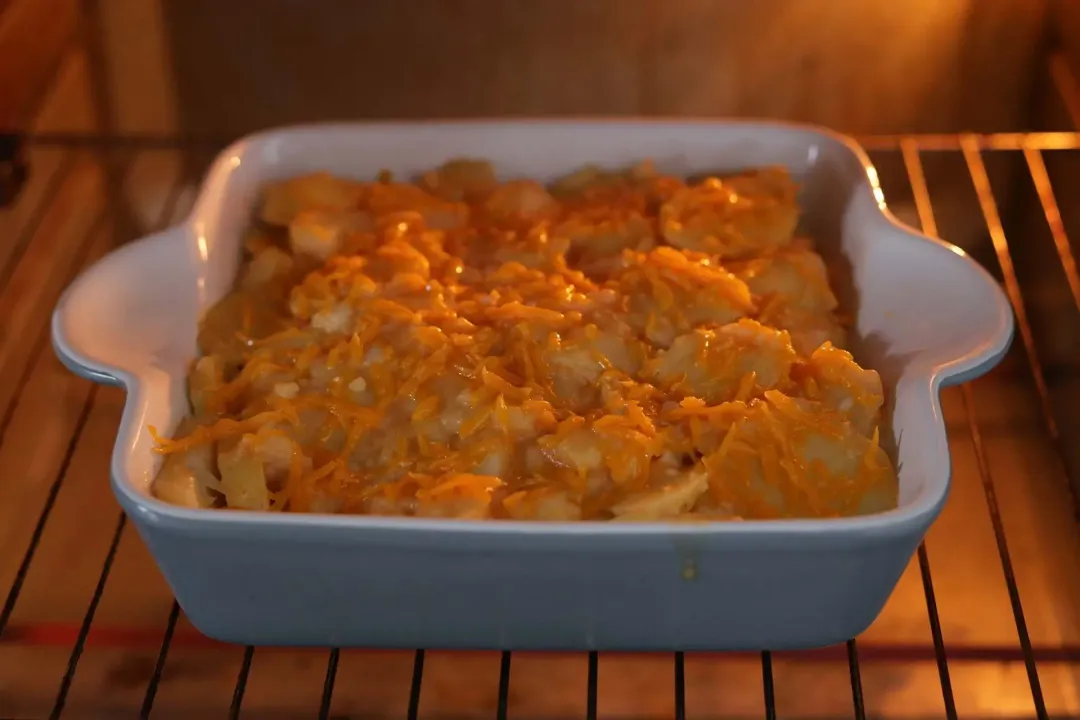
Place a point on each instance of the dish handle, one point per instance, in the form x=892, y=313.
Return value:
x=123, y=315
x=929, y=304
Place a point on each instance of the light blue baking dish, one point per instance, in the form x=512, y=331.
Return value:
x=927, y=315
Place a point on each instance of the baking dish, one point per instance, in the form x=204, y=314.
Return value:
x=925, y=315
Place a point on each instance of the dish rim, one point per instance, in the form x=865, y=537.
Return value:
x=160, y=513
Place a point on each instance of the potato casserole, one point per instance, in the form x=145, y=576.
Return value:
x=616, y=345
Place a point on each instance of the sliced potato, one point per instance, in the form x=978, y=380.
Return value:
x=243, y=479
x=205, y=379
x=284, y=200
x=460, y=179
x=748, y=214
x=676, y=494
x=187, y=478
x=320, y=233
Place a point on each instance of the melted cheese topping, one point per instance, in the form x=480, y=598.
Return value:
x=467, y=348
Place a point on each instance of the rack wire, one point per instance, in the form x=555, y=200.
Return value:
x=112, y=166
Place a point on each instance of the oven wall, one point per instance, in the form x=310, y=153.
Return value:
x=1064, y=23
x=912, y=66
x=34, y=36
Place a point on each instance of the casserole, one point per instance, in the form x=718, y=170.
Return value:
x=924, y=315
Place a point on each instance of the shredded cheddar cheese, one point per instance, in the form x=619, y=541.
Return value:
x=619, y=345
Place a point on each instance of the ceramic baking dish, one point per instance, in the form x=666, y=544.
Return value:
x=926, y=316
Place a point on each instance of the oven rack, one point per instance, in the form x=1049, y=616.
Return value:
x=116, y=645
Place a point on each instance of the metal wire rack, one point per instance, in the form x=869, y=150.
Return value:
x=86, y=615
